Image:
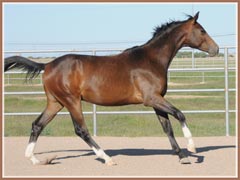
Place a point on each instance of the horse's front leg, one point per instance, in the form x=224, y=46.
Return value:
x=162, y=108
x=167, y=128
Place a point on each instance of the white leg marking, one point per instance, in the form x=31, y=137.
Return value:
x=29, y=153
x=34, y=160
x=101, y=154
x=186, y=131
x=187, y=134
x=30, y=149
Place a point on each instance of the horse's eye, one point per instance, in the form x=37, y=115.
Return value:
x=203, y=31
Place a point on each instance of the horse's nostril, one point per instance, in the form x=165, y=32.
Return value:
x=213, y=51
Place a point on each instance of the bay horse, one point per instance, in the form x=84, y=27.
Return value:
x=137, y=75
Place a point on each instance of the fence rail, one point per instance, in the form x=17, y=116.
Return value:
x=94, y=111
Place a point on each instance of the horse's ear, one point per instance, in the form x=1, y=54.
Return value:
x=195, y=18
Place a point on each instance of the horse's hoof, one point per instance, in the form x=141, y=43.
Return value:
x=184, y=160
x=110, y=163
x=47, y=160
x=191, y=148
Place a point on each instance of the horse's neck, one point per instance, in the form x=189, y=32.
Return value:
x=163, y=50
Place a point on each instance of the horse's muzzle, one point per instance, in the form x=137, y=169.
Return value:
x=213, y=51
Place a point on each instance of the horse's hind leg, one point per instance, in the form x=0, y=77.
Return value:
x=82, y=131
x=38, y=125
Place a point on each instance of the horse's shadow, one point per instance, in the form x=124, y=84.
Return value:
x=137, y=152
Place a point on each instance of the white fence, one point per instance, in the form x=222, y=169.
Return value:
x=94, y=111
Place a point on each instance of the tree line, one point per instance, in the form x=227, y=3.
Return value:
x=188, y=54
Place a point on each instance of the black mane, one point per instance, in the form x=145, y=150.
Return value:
x=167, y=27
x=162, y=30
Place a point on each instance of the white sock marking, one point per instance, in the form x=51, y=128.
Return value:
x=187, y=133
x=101, y=154
x=29, y=153
x=30, y=149
x=34, y=160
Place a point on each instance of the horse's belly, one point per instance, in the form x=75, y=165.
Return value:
x=111, y=97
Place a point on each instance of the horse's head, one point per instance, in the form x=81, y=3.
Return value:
x=198, y=38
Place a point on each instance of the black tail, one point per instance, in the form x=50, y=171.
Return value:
x=33, y=68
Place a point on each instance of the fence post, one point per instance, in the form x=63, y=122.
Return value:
x=94, y=120
x=226, y=90
x=193, y=59
x=94, y=111
x=8, y=79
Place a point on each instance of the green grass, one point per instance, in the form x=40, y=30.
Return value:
x=123, y=125
x=211, y=124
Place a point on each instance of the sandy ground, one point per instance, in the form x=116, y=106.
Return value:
x=144, y=156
